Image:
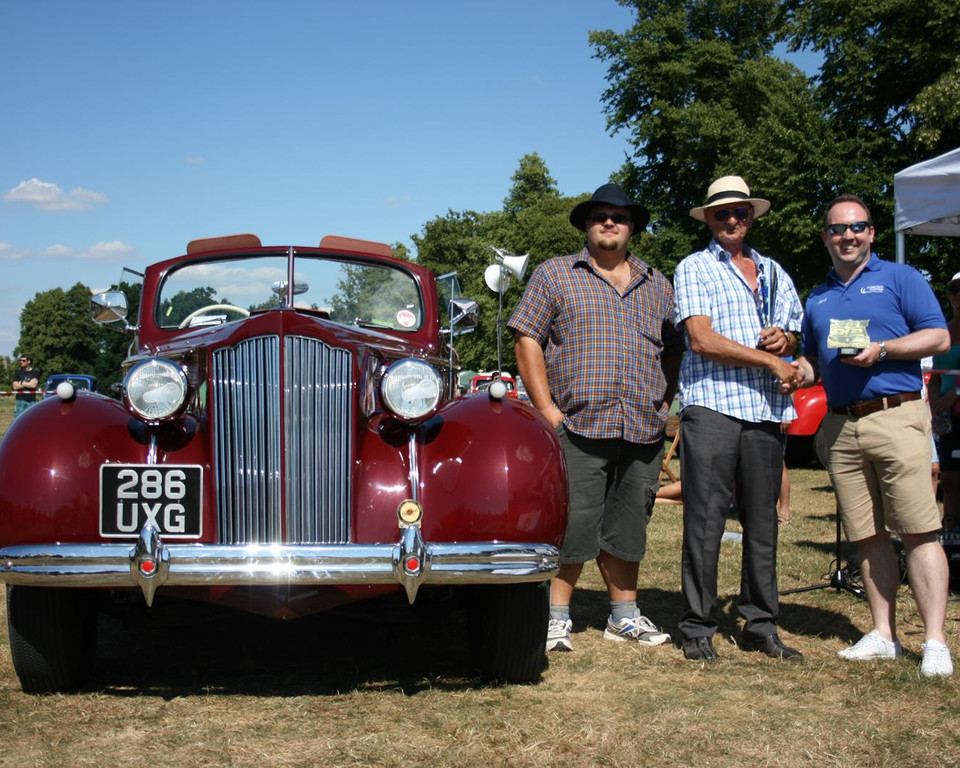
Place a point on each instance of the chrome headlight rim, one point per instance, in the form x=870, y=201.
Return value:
x=411, y=389
x=156, y=390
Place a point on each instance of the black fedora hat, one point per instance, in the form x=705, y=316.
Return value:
x=610, y=194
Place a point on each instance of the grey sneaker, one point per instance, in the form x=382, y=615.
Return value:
x=936, y=660
x=872, y=645
x=638, y=628
x=558, y=635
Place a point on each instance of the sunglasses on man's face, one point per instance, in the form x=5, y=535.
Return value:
x=724, y=214
x=858, y=228
x=616, y=218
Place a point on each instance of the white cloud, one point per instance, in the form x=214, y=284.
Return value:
x=395, y=201
x=196, y=160
x=9, y=253
x=59, y=251
x=112, y=251
x=47, y=196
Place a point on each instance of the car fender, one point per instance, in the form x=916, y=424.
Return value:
x=50, y=464
x=492, y=469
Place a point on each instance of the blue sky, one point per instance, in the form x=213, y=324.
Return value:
x=131, y=128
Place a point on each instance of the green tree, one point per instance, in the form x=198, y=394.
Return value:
x=8, y=367
x=182, y=303
x=890, y=86
x=55, y=329
x=458, y=242
x=888, y=77
x=535, y=221
x=531, y=184
x=699, y=91
x=114, y=343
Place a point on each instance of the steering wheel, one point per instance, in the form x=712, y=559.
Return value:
x=212, y=308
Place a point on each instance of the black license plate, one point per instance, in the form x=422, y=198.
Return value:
x=168, y=497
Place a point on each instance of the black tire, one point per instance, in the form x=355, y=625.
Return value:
x=53, y=637
x=508, y=631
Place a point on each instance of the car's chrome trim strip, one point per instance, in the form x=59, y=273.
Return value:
x=181, y=564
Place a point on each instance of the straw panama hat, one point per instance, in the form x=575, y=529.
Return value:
x=730, y=189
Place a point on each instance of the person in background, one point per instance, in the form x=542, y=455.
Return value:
x=877, y=427
x=945, y=409
x=741, y=316
x=599, y=355
x=25, y=383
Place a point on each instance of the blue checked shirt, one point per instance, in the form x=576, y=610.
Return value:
x=602, y=350
x=707, y=283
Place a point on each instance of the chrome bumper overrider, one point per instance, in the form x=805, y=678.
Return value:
x=151, y=563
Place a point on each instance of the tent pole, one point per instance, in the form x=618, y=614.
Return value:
x=901, y=248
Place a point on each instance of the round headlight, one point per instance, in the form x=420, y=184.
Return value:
x=156, y=389
x=411, y=388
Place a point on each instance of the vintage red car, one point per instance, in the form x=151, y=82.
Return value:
x=289, y=440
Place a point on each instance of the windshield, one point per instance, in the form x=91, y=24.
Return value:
x=353, y=293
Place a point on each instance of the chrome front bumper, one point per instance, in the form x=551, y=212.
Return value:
x=150, y=563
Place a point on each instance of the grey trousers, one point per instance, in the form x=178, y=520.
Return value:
x=724, y=460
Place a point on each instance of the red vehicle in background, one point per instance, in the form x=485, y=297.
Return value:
x=811, y=406
x=482, y=382
x=289, y=440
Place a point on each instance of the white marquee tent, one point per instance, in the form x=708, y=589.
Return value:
x=927, y=199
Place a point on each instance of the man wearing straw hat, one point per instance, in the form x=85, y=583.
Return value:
x=741, y=316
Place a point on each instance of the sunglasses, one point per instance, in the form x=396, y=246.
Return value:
x=858, y=227
x=616, y=218
x=724, y=214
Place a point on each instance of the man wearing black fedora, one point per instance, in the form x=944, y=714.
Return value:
x=599, y=355
x=741, y=316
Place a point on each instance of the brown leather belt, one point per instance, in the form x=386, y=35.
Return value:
x=866, y=407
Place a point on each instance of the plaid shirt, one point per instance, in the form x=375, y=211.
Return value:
x=602, y=350
x=707, y=283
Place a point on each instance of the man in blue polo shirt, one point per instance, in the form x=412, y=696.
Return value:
x=865, y=330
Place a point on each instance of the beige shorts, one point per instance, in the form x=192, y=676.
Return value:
x=880, y=467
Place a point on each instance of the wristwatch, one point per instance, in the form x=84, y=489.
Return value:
x=883, y=351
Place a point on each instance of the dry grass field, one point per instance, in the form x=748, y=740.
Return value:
x=386, y=686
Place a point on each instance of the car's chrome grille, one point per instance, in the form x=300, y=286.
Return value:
x=312, y=438
x=317, y=441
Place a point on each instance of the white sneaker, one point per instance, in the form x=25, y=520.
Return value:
x=872, y=645
x=558, y=635
x=638, y=628
x=936, y=660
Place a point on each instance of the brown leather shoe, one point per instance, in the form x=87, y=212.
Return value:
x=771, y=645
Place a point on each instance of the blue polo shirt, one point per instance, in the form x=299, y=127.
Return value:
x=896, y=300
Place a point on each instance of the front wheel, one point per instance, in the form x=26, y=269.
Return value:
x=53, y=637
x=508, y=631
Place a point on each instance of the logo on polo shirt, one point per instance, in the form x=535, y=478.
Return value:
x=872, y=289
